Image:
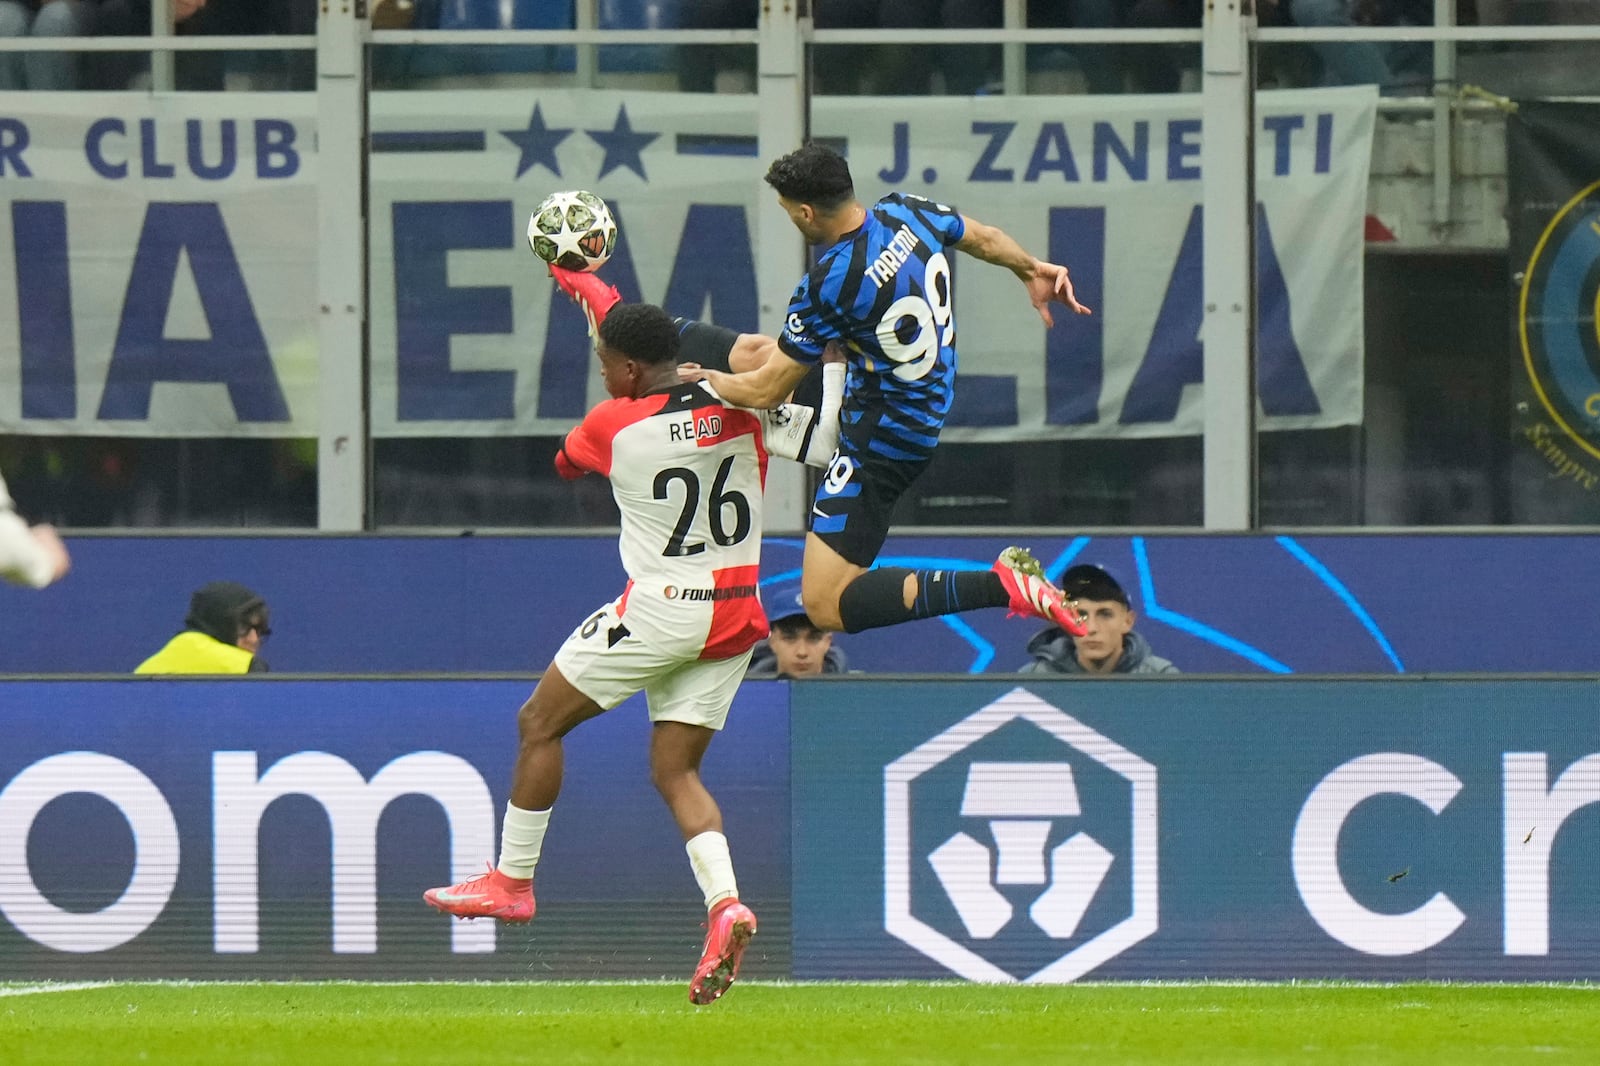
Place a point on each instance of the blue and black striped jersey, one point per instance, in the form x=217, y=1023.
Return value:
x=885, y=291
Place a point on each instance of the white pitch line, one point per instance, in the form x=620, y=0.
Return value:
x=57, y=986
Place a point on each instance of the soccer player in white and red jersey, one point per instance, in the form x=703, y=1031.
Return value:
x=687, y=473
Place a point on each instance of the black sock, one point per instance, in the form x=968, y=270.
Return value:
x=877, y=597
x=703, y=343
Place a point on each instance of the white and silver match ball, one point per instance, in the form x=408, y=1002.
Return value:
x=573, y=230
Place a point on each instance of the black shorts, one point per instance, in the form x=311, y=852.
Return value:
x=855, y=501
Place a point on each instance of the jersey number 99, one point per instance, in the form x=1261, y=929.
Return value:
x=932, y=314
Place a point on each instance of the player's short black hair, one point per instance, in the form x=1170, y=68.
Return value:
x=1086, y=581
x=642, y=332
x=812, y=174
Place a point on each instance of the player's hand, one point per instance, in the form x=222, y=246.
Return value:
x=49, y=542
x=1051, y=283
x=833, y=352
x=692, y=372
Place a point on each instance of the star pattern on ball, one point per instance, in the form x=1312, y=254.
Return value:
x=622, y=145
x=538, y=144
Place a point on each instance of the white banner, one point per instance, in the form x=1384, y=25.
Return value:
x=163, y=275
x=162, y=266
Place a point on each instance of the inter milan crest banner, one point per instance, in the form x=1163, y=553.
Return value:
x=162, y=260
x=1553, y=162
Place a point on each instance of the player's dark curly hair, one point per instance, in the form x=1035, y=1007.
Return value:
x=813, y=174
x=642, y=332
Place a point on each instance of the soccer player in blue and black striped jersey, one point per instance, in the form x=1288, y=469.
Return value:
x=882, y=287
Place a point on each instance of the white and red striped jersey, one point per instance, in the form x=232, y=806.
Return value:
x=687, y=473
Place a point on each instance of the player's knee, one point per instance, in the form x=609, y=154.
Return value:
x=668, y=775
x=538, y=722
x=527, y=720
x=822, y=607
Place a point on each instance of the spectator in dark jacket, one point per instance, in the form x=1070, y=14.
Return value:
x=795, y=648
x=1109, y=647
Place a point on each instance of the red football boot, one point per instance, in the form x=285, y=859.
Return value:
x=1032, y=594
x=728, y=930
x=588, y=292
x=489, y=895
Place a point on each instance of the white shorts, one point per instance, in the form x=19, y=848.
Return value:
x=609, y=660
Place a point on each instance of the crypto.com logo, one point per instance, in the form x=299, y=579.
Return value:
x=1021, y=799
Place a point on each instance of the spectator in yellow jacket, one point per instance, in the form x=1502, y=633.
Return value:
x=222, y=635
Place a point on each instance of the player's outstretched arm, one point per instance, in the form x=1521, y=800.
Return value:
x=751, y=351
x=1046, y=282
x=760, y=389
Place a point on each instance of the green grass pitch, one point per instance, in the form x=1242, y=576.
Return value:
x=354, y=1024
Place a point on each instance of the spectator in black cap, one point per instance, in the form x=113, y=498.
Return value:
x=222, y=635
x=795, y=648
x=1109, y=647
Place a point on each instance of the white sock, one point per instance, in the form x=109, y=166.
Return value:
x=713, y=867
x=521, y=837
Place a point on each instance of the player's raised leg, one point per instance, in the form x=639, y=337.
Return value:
x=505, y=891
x=840, y=595
x=850, y=519
x=702, y=343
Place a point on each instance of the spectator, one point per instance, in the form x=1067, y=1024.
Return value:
x=840, y=69
x=795, y=647
x=968, y=70
x=1109, y=647
x=700, y=64
x=51, y=18
x=1158, y=68
x=131, y=18
x=206, y=70
x=904, y=70
x=1396, y=68
x=223, y=634
x=29, y=555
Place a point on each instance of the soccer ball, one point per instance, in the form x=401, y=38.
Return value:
x=573, y=230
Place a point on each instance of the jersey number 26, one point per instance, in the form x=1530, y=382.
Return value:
x=718, y=502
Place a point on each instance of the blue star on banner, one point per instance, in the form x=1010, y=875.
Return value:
x=538, y=144
x=622, y=145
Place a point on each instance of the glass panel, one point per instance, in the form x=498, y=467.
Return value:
x=1076, y=484
x=1428, y=443
x=99, y=482
x=726, y=68
x=979, y=70
x=1529, y=69
x=289, y=70
x=507, y=482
